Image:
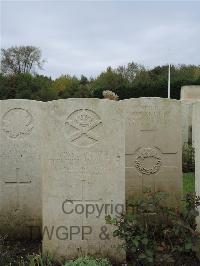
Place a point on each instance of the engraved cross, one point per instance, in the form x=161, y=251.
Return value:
x=83, y=194
x=17, y=181
x=84, y=199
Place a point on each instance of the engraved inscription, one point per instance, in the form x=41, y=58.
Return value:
x=86, y=163
x=148, y=161
x=84, y=123
x=17, y=123
x=150, y=116
x=16, y=150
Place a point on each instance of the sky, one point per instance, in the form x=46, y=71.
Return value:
x=85, y=37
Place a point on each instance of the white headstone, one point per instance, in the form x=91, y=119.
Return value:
x=153, y=147
x=20, y=168
x=190, y=92
x=84, y=168
x=186, y=121
x=189, y=95
x=196, y=127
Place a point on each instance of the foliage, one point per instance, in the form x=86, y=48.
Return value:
x=4, y=254
x=15, y=252
x=133, y=80
x=47, y=260
x=154, y=234
x=68, y=87
x=27, y=86
x=109, y=80
x=188, y=158
x=188, y=183
x=20, y=59
x=131, y=71
x=65, y=82
x=19, y=80
x=38, y=260
x=89, y=261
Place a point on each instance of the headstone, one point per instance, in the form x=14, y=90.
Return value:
x=196, y=126
x=20, y=168
x=191, y=92
x=84, y=171
x=186, y=121
x=189, y=95
x=153, y=147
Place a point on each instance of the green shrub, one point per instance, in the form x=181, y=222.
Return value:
x=188, y=158
x=47, y=260
x=39, y=260
x=188, y=182
x=89, y=261
x=154, y=234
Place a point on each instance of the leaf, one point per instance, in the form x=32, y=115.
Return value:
x=149, y=252
x=135, y=242
x=115, y=233
x=142, y=256
x=150, y=259
x=188, y=246
x=145, y=241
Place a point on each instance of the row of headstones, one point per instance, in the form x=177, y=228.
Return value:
x=65, y=164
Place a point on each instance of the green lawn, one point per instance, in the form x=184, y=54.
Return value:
x=188, y=182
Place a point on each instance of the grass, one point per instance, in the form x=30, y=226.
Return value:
x=188, y=182
x=15, y=253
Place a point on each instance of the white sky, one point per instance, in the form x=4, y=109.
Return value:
x=84, y=37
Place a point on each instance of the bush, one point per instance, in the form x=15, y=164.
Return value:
x=47, y=260
x=39, y=260
x=89, y=261
x=154, y=234
x=188, y=158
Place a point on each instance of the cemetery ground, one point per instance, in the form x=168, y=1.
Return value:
x=22, y=253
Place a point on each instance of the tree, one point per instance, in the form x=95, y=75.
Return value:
x=27, y=86
x=21, y=59
x=109, y=80
x=72, y=87
x=65, y=82
x=131, y=71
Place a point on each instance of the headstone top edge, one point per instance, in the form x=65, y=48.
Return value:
x=151, y=99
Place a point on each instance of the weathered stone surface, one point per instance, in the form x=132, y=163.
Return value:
x=196, y=134
x=186, y=121
x=84, y=165
x=189, y=96
x=153, y=147
x=77, y=145
x=191, y=92
x=20, y=168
